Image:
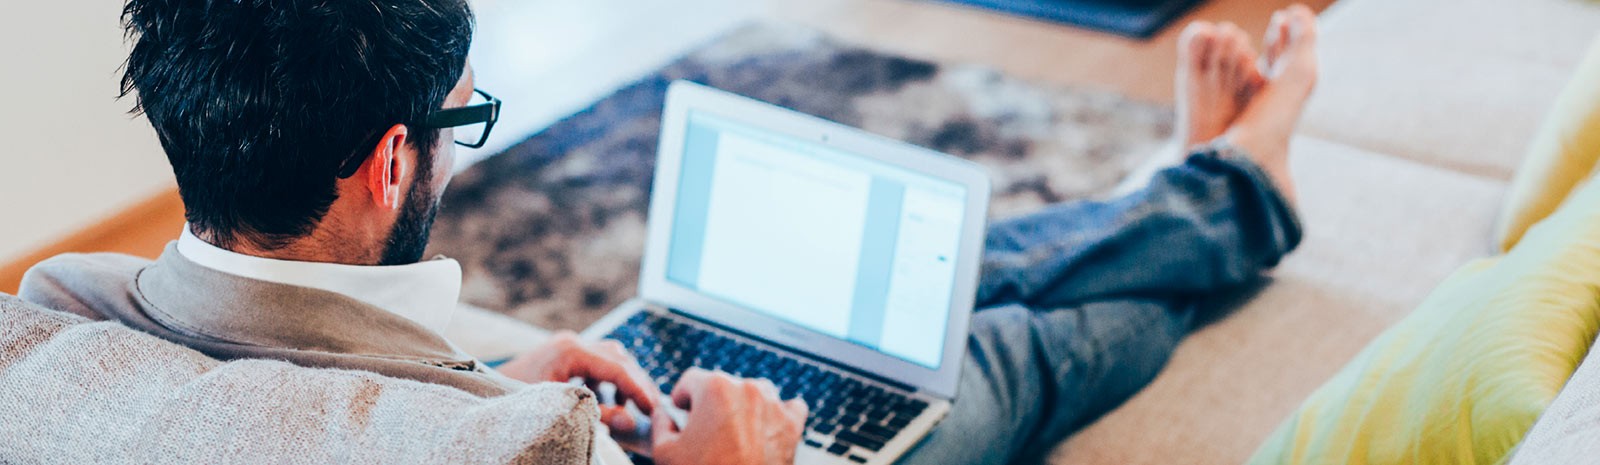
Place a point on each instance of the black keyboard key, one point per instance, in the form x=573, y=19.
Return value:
x=826, y=428
x=827, y=415
x=849, y=421
x=826, y=406
x=915, y=407
x=879, y=432
x=838, y=448
x=813, y=444
x=858, y=459
x=899, y=422
x=865, y=442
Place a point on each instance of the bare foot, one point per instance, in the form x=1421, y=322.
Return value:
x=1289, y=67
x=1217, y=77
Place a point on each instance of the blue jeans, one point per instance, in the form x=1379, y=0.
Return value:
x=1081, y=304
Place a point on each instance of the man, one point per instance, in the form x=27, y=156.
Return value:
x=311, y=142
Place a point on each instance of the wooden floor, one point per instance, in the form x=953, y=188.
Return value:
x=1042, y=52
x=142, y=230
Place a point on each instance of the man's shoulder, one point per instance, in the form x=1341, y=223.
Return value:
x=81, y=283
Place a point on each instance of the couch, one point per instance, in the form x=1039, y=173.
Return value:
x=1422, y=115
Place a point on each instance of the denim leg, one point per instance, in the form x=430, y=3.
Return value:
x=1033, y=377
x=1084, y=302
x=1213, y=222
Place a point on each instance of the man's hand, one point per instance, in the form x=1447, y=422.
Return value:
x=731, y=421
x=564, y=357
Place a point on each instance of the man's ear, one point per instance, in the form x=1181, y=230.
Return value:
x=385, y=168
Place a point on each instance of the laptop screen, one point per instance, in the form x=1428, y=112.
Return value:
x=835, y=242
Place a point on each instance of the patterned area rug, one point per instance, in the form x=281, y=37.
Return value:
x=552, y=230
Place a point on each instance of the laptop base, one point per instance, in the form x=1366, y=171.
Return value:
x=855, y=417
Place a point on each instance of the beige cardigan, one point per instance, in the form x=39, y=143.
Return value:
x=76, y=391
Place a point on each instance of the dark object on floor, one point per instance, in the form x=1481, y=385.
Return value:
x=552, y=230
x=1133, y=18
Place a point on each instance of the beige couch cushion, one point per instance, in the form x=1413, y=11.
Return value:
x=1367, y=259
x=74, y=391
x=1461, y=84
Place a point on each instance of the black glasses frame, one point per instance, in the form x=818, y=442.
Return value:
x=487, y=113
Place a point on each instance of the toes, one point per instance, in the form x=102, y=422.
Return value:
x=1195, y=30
x=1242, y=54
x=1277, y=35
x=1198, y=42
x=1241, y=38
x=1302, y=24
x=1225, y=52
x=1301, y=10
x=1290, y=47
x=1250, y=72
x=1244, y=65
x=1222, y=49
x=1290, y=27
x=1230, y=30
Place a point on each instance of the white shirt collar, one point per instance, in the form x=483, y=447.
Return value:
x=425, y=292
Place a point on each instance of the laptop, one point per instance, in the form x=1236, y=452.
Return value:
x=838, y=264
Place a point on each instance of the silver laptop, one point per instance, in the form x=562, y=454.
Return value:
x=839, y=264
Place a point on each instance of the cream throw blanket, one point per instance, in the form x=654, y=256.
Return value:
x=75, y=391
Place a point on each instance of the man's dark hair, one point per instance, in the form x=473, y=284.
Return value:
x=258, y=103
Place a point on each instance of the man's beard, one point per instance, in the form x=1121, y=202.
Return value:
x=409, y=237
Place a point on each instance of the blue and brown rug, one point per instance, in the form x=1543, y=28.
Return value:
x=551, y=231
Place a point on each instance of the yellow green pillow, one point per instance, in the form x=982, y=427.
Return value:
x=1463, y=377
x=1561, y=156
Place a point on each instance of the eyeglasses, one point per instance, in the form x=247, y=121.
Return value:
x=470, y=123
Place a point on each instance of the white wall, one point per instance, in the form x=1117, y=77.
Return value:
x=70, y=155
x=73, y=156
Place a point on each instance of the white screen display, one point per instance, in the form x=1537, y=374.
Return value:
x=838, y=243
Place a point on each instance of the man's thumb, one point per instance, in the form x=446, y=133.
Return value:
x=662, y=429
x=618, y=418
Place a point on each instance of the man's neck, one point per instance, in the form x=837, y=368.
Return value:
x=316, y=247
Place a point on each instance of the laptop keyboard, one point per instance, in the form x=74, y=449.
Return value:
x=849, y=418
